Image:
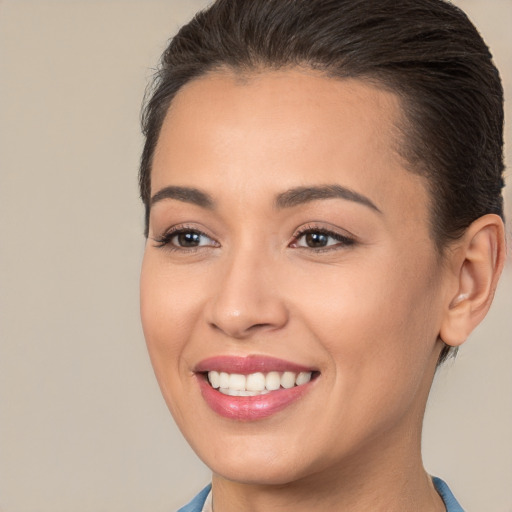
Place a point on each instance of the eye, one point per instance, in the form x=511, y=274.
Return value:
x=185, y=238
x=316, y=238
x=189, y=239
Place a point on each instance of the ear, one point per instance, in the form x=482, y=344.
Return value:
x=476, y=264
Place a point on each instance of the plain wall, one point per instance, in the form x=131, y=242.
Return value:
x=83, y=427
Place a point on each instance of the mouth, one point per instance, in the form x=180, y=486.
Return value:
x=253, y=387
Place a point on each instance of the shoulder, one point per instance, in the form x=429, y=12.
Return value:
x=196, y=505
x=452, y=505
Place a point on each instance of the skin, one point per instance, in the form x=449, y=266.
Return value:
x=367, y=315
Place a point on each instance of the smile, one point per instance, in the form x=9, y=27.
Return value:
x=254, y=387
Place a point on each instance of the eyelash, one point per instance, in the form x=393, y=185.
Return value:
x=165, y=240
x=343, y=240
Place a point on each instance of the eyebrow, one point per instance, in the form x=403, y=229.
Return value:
x=288, y=199
x=185, y=194
x=301, y=195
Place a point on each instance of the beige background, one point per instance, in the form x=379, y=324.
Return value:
x=82, y=425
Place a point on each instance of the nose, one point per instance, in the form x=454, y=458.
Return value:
x=247, y=299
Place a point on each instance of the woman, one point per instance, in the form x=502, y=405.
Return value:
x=322, y=183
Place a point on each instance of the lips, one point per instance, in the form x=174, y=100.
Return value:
x=252, y=387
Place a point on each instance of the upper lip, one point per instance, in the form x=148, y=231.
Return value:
x=246, y=365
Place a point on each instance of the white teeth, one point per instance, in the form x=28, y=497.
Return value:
x=252, y=393
x=236, y=392
x=303, y=378
x=255, y=382
x=223, y=380
x=288, y=380
x=214, y=379
x=273, y=381
x=235, y=384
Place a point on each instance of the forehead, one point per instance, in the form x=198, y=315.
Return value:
x=285, y=104
x=296, y=124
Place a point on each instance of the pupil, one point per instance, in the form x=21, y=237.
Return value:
x=316, y=240
x=188, y=239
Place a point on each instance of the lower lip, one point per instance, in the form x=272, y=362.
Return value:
x=250, y=408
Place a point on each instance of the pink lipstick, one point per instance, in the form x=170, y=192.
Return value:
x=253, y=387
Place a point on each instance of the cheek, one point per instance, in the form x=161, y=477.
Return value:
x=367, y=298
x=380, y=341
x=168, y=306
x=377, y=322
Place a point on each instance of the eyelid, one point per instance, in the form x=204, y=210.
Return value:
x=164, y=240
x=344, y=238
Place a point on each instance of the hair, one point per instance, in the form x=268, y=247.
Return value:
x=425, y=51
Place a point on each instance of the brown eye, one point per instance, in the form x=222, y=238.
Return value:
x=320, y=239
x=315, y=240
x=185, y=239
x=188, y=239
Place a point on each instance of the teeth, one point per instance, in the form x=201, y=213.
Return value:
x=273, y=381
x=235, y=392
x=223, y=380
x=288, y=380
x=235, y=384
x=214, y=378
x=303, y=378
x=255, y=382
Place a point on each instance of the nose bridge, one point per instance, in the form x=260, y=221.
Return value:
x=247, y=298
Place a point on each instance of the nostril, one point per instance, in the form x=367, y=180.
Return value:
x=259, y=326
x=240, y=331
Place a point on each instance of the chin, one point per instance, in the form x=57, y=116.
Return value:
x=255, y=472
x=256, y=461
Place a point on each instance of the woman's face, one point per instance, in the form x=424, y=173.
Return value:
x=288, y=242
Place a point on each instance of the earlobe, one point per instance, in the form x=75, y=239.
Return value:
x=477, y=265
